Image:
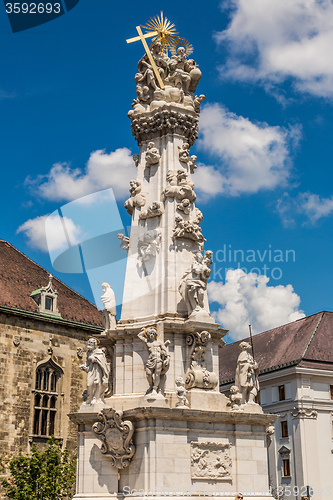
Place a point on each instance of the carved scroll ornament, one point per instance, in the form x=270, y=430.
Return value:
x=197, y=375
x=116, y=435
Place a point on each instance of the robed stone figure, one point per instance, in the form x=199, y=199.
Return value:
x=110, y=309
x=247, y=371
x=98, y=372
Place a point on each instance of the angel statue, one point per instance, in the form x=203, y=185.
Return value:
x=194, y=282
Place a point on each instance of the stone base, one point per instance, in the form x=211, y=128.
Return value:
x=201, y=316
x=178, y=451
x=92, y=408
x=210, y=400
x=155, y=400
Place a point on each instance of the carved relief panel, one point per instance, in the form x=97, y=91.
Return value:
x=211, y=461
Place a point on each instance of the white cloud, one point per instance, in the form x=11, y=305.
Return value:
x=34, y=230
x=246, y=299
x=251, y=156
x=102, y=171
x=309, y=205
x=272, y=41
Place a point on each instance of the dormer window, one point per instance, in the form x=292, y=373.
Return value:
x=46, y=298
x=49, y=303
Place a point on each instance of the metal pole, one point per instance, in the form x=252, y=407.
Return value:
x=251, y=341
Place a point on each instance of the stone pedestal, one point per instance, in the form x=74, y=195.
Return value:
x=179, y=452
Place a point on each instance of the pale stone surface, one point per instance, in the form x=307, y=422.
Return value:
x=164, y=439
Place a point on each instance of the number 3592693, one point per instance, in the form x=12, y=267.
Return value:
x=33, y=8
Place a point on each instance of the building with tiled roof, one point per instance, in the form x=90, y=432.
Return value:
x=44, y=328
x=20, y=276
x=296, y=382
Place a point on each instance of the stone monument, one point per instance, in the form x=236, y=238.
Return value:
x=151, y=437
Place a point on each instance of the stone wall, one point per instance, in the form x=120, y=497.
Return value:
x=27, y=341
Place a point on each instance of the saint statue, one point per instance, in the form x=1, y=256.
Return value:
x=110, y=311
x=98, y=372
x=180, y=70
x=158, y=361
x=247, y=372
x=194, y=282
x=145, y=77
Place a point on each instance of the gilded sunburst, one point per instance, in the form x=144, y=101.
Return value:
x=181, y=42
x=166, y=31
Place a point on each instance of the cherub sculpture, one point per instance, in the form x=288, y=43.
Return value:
x=197, y=102
x=184, y=154
x=181, y=393
x=149, y=244
x=137, y=199
x=235, y=398
x=184, y=206
x=158, y=361
x=124, y=241
x=180, y=186
x=136, y=159
x=154, y=210
x=152, y=154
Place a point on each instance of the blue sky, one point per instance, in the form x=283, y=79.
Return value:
x=264, y=181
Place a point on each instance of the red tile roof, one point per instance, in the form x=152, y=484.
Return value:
x=306, y=342
x=19, y=276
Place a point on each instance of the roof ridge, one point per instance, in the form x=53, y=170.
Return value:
x=286, y=324
x=313, y=334
x=271, y=329
x=64, y=284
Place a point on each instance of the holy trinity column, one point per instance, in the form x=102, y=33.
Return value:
x=154, y=418
x=168, y=269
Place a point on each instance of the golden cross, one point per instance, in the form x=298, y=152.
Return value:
x=143, y=37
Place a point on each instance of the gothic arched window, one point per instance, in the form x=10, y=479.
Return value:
x=46, y=399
